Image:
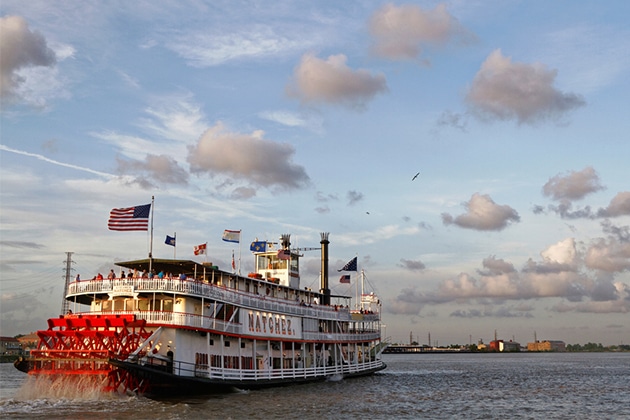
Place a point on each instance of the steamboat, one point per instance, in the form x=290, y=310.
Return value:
x=193, y=328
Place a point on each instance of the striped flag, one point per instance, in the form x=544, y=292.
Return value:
x=344, y=278
x=231, y=235
x=130, y=218
x=350, y=265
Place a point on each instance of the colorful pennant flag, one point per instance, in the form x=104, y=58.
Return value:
x=200, y=249
x=232, y=235
x=129, y=218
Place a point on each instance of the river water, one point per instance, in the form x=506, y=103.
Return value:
x=417, y=386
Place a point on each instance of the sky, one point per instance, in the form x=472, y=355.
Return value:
x=311, y=117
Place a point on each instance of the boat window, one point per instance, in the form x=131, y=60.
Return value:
x=294, y=263
x=106, y=306
x=167, y=305
x=119, y=304
x=262, y=262
x=143, y=305
x=130, y=304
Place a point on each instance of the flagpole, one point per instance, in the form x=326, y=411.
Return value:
x=239, y=252
x=151, y=246
x=175, y=246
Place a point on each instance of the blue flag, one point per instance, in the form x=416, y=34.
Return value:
x=170, y=240
x=350, y=266
x=258, y=246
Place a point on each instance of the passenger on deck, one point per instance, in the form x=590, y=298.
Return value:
x=144, y=274
x=182, y=276
x=122, y=274
x=161, y=275
x=78, y=278
x=99, y=276
x=111, y=274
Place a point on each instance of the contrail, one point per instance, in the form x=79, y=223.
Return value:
x=54, y=162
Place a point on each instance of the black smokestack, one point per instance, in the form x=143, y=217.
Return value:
x=324, y=282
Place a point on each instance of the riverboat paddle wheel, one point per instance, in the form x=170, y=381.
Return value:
x=80, y=346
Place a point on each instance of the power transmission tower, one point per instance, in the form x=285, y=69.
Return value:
x=65, y=304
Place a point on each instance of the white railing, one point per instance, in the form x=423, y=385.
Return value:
x=212, y=291
x=252, y=375
x=187, y=320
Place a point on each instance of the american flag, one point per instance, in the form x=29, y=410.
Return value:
x=344, y=278
x=130, y=218
x=350, y=265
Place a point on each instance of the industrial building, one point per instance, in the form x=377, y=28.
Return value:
x=547, y=345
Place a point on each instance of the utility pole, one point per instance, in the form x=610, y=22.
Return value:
x=65, y=304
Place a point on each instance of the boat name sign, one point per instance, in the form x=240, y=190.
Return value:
x=122, y=290
x=272, y=325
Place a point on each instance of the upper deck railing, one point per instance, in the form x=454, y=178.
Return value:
x=219, y=293
x=182, y=319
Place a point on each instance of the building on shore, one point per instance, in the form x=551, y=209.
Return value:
x=10, y=346
x=547, y=345
x=504, y=346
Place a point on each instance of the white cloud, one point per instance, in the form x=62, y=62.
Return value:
x=332, y=81
x=608, y=255
x=400, y=32
x=506, y=90
x=203, y=49
x=20, y=49
x=248, y=157
x=483, y=214
x=574, y=185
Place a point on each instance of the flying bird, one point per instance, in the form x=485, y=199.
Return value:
x=415, y=176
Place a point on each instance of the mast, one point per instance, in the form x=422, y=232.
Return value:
x=151, y=245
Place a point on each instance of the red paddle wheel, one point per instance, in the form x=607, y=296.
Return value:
x=81, y=345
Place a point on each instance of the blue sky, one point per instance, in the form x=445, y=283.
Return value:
x=307, y=117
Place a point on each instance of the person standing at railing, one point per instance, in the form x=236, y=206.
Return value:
x=111, y=275
x=169, y=364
